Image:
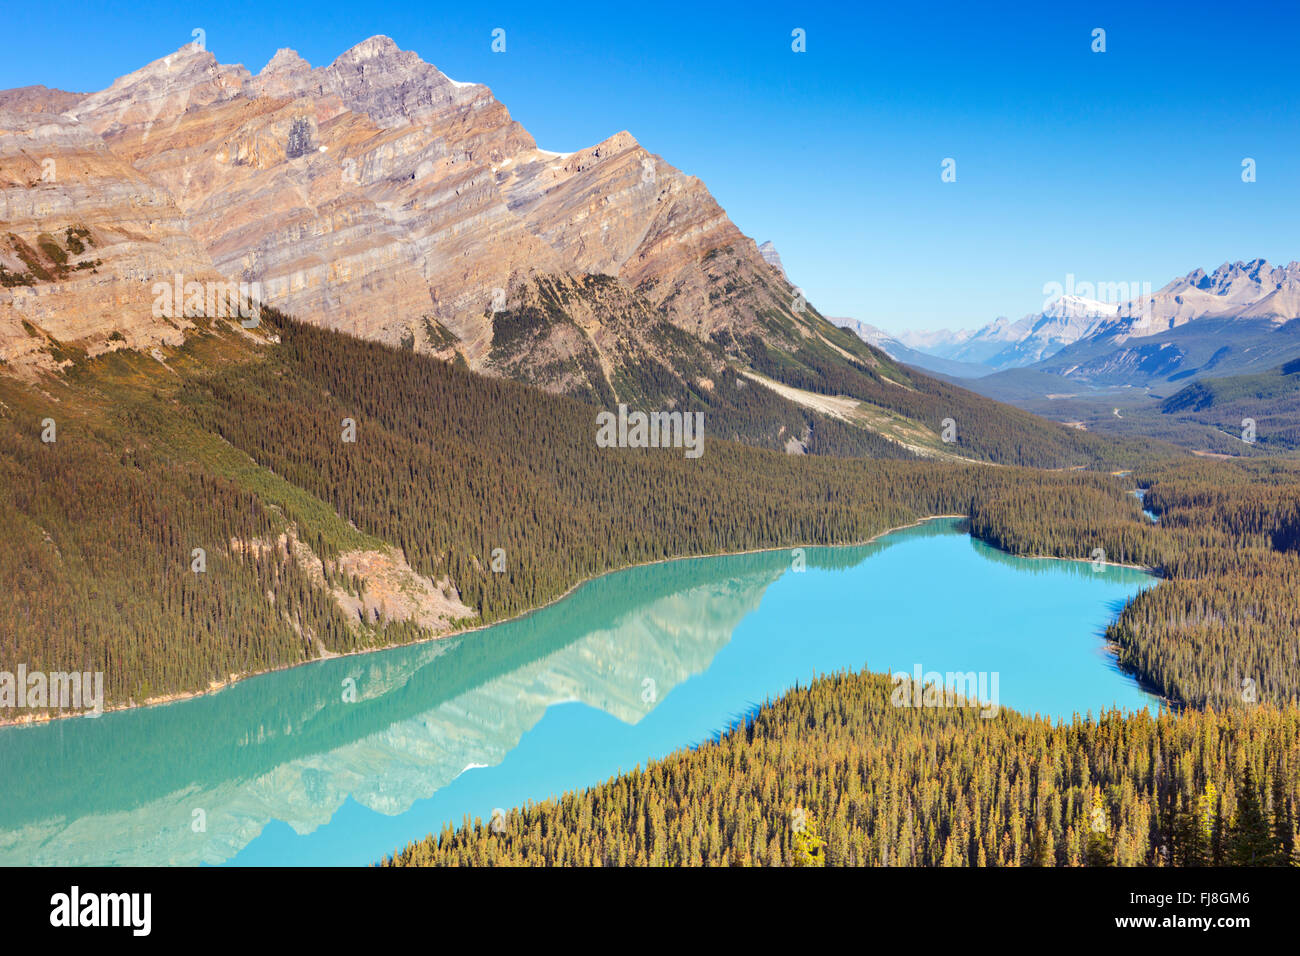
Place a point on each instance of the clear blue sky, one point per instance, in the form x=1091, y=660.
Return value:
x=1115, y=166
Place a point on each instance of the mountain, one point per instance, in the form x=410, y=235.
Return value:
x=895, y=349
x=1201, y=323
x=1162, y=365
x=1004, y=344
x=1240, y=290
x=773, y=258
x=378, y=197
x=1235, y=319
x=1063, y=322
x=1238, y=319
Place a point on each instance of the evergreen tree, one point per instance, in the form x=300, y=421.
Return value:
x=1251, y=842
x=1100, y=851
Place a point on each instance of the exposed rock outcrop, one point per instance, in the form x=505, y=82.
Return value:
x=378, y=196
x=83, y=235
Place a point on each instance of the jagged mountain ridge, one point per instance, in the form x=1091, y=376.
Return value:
x=378, y=196
x=1004, y=344
x=1240, y=302
x=1245, y=290
x=1240, y=318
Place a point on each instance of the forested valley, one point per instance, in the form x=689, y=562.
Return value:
x=231, y=445
x=238, y=447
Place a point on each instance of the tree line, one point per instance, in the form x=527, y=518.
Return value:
x=833, y=774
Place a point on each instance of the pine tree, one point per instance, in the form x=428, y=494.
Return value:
x=1100, y=851
x=1283, y=822
x=1251, y=843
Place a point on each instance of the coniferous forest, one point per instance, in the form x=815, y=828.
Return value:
x=230, y=446
x=533, y=436
x=832, y=774
x=239, y=450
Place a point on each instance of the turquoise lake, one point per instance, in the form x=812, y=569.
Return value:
x=279, y=769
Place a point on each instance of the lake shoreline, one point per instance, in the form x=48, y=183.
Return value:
x=218, y=686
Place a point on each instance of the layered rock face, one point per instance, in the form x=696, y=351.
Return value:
x=1239, y=290
x=83, y=237
x=38, y=99
x=377, y=196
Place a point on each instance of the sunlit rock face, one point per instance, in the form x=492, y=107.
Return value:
x=377, y=196
x=83, y=237
x=38, y=99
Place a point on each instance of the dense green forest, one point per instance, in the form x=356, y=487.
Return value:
x=833, y=774
x=237, y=447
x=231, y=443
x=653, y=364
x=1269, y=401
x=985, y=429
x=1226, y=621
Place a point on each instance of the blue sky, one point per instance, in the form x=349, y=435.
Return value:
x=1123, y=166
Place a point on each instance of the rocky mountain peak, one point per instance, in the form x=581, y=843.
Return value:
x=394, y=86
x=1239, y=277
x=285, y=74
x=1077, y=306
x=377, y=195
x=285, y=61
x=163, y=89
x=375, y=47
x=773, y=258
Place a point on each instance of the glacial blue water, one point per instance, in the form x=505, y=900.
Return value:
x=280, y=769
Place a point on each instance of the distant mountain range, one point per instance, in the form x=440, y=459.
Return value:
x=1234, y=320
x=1005, y=344
x=1238, y=319
x=919, y=358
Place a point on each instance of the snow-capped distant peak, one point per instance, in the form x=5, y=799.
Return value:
x=1077, y=306
x=870, y=334
x=1004, y=343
